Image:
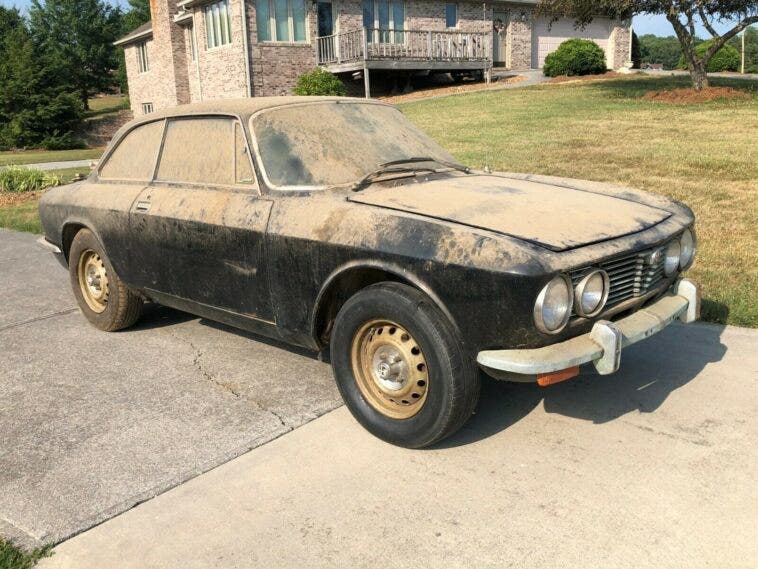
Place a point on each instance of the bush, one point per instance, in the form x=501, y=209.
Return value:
x=575, y=57
x=319, y=82
x=18, y=179
x=63, y=141
x=725, y=59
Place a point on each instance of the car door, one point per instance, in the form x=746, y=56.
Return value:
x=199, y=227
x=123, y=173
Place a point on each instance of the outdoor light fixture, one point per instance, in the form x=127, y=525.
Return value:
x=523, y=17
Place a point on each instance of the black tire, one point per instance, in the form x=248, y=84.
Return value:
x=453, y=382
x=122, y=307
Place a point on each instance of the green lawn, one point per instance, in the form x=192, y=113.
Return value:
x=107, y=104
x=703, y=154
x=23, y=216
x=38, y=156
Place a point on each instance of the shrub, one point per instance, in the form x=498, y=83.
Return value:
x=319, y=82
x=18, y=179
x=64, y=141
x=725, y=59
x=575, y=57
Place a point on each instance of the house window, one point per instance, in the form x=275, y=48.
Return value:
x=281, y=20
x=144, y=66
x=451, y=15
x=217, y=25
x=387, y=20
x=147, y=108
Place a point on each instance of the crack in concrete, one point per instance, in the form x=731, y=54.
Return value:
x=38, y=318
x=211, y=377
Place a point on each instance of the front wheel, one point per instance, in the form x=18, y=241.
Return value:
x=400, y=367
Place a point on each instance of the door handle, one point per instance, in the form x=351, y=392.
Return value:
x=142, y=207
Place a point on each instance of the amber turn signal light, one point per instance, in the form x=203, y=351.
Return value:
x=545, y=379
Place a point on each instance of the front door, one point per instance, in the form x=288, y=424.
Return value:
x=499, y=27
x=199, y=228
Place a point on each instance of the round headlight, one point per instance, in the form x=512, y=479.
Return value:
x=553, y=306
x=672, y=254
x=591, y=293
x=687, y=244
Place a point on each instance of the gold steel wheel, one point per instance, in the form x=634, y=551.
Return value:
x=93, y=280
x=390, y=369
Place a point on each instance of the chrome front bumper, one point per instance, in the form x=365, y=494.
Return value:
x=603, y=344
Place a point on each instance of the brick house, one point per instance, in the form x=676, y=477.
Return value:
x=194, y=50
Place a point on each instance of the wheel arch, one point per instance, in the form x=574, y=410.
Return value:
x=354, y=276
x=68, y=232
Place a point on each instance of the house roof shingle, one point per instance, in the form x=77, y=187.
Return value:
x=144, y=31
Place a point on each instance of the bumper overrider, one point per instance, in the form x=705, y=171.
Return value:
x=602, y=345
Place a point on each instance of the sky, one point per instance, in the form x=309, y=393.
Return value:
x=657, y=25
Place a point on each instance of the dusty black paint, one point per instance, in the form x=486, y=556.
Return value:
x=269, y=262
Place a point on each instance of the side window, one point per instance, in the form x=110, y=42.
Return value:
x=198, y=150
x=134, y=157
x=242, y=167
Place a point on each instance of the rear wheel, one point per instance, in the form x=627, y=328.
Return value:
x=103, y=298
x=400, y=366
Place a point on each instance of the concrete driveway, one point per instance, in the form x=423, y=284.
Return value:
x=651, y=467
x=93, y=423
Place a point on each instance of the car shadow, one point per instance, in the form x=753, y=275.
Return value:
x=650, y=372
x=159, y=316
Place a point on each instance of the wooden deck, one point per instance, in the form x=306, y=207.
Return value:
x=367, y=49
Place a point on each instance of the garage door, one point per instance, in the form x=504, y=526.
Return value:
x=546, y=39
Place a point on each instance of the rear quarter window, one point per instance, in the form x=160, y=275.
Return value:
x=134, y=157
x=199, y=150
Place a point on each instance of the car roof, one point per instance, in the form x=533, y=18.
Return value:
x=241, y=107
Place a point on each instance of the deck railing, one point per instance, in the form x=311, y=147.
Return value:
x=416, y=45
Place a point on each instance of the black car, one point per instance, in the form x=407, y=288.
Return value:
x=334, y=222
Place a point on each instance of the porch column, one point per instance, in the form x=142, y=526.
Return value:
x=366, y=83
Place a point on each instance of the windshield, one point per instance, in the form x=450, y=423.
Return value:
x=333, y=143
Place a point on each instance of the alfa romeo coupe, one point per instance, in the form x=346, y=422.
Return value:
x=336, y=223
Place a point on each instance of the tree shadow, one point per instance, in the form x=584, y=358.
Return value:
x=650, y=372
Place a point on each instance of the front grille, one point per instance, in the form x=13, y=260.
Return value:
x=630, y=276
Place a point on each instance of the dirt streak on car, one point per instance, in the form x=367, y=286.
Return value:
x=335, y=223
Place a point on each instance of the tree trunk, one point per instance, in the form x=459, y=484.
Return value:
x=84, y=94
x=698, y=75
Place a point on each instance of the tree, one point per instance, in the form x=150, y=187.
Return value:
x=78, y=36
x=636, y=51
x=663, y=50
x=751, y=48
x=36, y=106
x=682, y=14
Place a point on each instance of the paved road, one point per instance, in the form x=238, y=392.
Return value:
x=653, y=467
x=93, y=423
x=58, y=165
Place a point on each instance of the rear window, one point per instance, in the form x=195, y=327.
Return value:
x=134, y=157
x=199, y=150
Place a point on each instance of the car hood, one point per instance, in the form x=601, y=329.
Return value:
x=553, y=216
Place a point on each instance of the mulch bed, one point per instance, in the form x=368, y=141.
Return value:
x=689, y=95
x=452, y=89
x=8, y=199
x=573, y=78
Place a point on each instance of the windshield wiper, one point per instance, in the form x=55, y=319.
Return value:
x=416, y=159
x=391, y=168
